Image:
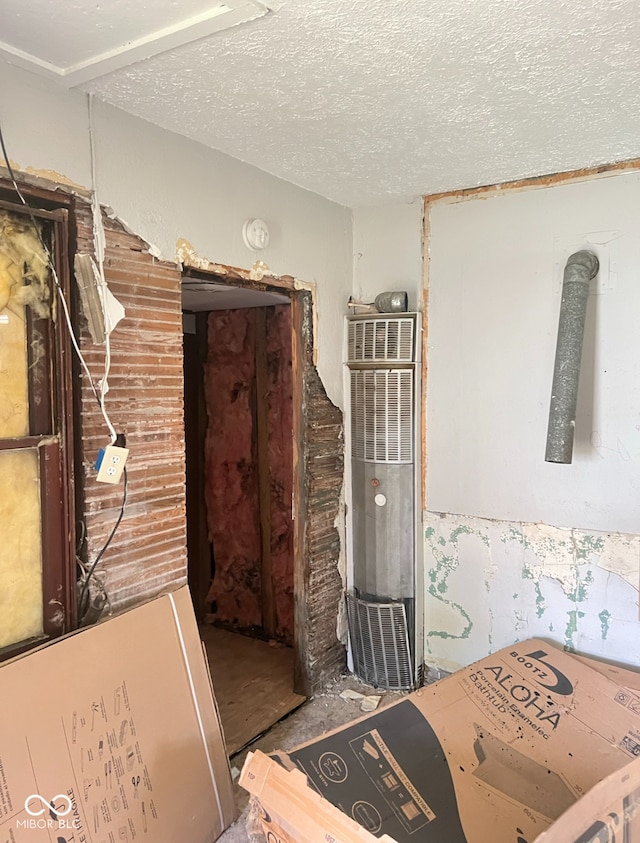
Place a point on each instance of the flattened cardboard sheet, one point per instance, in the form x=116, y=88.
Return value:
x=111, y=734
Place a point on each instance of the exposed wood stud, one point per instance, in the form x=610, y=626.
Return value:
x=264, y=485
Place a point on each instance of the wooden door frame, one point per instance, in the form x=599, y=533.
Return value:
x=310, y=672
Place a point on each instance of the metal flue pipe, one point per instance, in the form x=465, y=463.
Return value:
x=581, y=267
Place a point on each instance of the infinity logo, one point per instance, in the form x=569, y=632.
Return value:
x=48, y=806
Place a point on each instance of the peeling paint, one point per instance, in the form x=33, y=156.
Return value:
x=259, y=270
x=567, y=589
x=51, y=176
x=581, y=592
x=586, y=544
x=572, y=626
x=605, y=621
x=438, y=576
x=187, y=256
x=557, y=552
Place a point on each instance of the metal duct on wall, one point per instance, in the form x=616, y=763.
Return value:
x=580, y=268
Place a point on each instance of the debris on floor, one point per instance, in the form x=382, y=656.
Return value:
x=367, y=703
x=324, y=712
x=517, y=746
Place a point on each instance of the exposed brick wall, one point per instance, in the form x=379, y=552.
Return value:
x=145, y=401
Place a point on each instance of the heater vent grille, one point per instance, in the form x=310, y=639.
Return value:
x=380, y=340
x=380, y=643
x=382, y=415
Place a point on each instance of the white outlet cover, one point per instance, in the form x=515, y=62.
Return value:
x=112, y=465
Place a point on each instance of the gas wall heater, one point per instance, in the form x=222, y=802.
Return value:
x=384, y=597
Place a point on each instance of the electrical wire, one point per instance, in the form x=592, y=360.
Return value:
x=99, y=244
x=96, y=561
x=80, y=539
x=99, y=394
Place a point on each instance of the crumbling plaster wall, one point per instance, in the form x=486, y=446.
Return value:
x=167, y=188
x=514, y=546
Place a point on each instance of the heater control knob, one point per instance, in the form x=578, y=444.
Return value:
x=380, y=500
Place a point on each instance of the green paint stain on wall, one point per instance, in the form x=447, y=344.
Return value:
x=463, y=530
x=445, y=566
x=605, y=622
x=515, y=596
x=572, y=626
x=516, y=536
x=586, y=545
x=581, y=591
x=438, y=576
x=540, y=602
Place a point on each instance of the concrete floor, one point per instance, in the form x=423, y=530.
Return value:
x=322, y=713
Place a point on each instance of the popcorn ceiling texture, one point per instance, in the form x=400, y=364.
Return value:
x=361, y=102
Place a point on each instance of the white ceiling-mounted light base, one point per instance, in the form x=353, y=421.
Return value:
x=255, y=234
x=97, y=54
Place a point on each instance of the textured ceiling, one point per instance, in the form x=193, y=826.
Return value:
x=368, y=101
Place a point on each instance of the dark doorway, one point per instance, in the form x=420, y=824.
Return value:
x=318, y=463
x=240, y=532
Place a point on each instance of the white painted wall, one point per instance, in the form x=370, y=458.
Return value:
x=515, y=546
x=166, y=187
x=387, y=253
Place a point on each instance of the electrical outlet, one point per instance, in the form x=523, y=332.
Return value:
x=112, y=465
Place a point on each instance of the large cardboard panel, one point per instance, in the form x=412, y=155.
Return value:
x=111, y=734
x=610, y=812
x=497, y=751
x=620, y=675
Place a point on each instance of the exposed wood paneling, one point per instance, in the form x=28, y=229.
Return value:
x=268, y=603
x=319, y=433
x=537, y=181
x=280, y=460
x=195, y=421
x=145, y=402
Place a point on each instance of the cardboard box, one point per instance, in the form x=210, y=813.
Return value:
x=496, y=752
x=111, y=734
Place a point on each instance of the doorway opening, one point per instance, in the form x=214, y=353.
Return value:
x=264, y=476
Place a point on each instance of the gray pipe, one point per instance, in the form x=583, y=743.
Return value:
x=580, y=269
